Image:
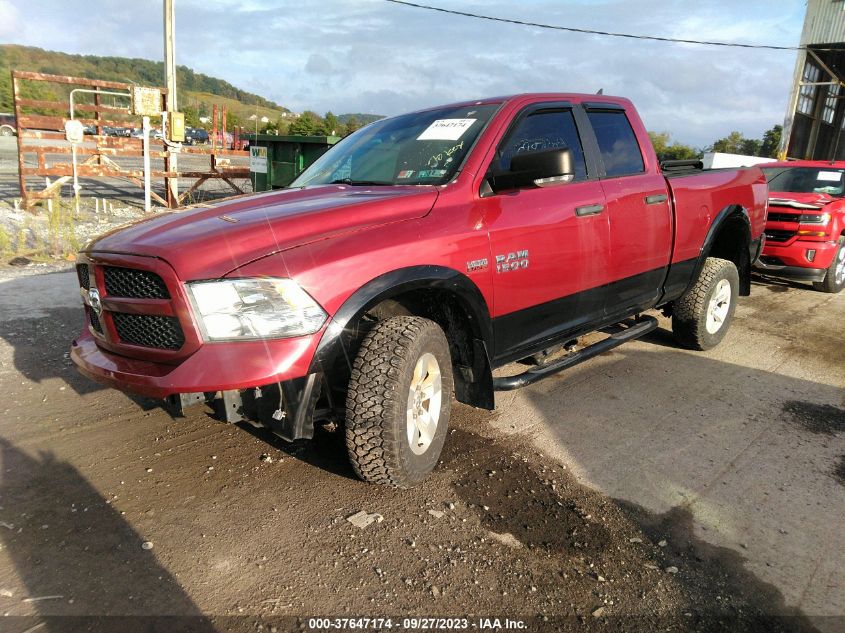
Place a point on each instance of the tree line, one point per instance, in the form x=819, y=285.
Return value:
x=141, y=71
x=733, y=143
x=309, y=123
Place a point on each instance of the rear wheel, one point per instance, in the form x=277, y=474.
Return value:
x=6, y=131
x=834, y=279
x=701, y=318
x=398, y=402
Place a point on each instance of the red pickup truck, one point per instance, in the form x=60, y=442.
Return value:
x=410, y=261
x=805, y=232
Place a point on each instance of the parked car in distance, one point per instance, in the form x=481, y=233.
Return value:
x=412, y=259
x=8, y=126
x=117, y=131
x=138, y=132
x=805, y=231
x=196, y=136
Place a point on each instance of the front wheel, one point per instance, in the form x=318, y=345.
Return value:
x=834, y=279
x=398, y=402
x=701, y=318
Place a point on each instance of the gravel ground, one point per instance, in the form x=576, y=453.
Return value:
x=111, y=507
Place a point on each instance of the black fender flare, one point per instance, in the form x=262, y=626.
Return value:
x=402, y=280
x=746, y=256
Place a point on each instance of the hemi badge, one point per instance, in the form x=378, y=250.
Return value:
x=228, y=218
x=476, y=264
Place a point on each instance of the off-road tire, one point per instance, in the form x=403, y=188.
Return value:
x=377, y=400
x=828, y=284
x=689, y=314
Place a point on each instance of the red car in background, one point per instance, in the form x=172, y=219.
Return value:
x=805, y=231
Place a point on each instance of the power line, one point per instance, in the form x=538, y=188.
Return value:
x=572, y=29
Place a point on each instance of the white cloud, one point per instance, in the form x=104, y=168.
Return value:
x=10, y=22
x=374, y=56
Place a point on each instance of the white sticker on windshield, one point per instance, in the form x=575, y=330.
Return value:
x=832, y=176
x=446, y=130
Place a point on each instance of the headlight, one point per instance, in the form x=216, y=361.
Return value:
x=814, y=218
x=254, y=309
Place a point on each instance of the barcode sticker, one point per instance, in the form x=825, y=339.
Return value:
x=446, y=130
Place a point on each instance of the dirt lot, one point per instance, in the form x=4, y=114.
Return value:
x=650, y=489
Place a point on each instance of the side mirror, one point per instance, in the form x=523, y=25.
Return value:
x=545, y=168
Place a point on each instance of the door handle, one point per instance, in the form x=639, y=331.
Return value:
x=656, y=199
x=589, y=209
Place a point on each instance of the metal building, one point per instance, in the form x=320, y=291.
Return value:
x=815, y=118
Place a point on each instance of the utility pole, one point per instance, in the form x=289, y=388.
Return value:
x=170, y=162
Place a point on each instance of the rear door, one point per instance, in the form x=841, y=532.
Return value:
x=549, y=246
x=638, y=209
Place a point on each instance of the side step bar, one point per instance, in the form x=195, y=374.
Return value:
x=642, y=326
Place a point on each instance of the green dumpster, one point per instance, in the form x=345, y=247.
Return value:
x=275, y=161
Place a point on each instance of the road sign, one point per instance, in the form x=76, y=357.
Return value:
x=258, y=160
x=146, y=101
x=74, y=132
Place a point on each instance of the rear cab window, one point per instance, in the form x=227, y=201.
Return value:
x=617, y=142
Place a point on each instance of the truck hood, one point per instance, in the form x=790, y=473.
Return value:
x=208, y=242
x=799, y=200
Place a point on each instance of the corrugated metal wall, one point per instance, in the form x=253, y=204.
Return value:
x=824, y=23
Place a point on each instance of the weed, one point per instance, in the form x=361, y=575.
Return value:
x=20, y=242
x=5, y=241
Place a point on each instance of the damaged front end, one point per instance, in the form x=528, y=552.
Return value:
x=289, y=408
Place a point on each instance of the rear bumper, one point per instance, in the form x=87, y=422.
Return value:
x=800, y=260
x=213, y=367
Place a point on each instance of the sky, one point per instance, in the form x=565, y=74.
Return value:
x=377, y=57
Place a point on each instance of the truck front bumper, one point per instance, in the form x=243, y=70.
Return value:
x=801, y=260
x=213, y=367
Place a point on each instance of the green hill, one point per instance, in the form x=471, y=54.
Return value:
x=198, y=92
x=362, y=118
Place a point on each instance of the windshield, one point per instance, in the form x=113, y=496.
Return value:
x=806, y=180
x=423, y=148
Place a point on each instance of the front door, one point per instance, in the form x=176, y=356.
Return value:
x=549, y=246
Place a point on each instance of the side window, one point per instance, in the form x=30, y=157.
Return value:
x=618, y=144
x=544, y=130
